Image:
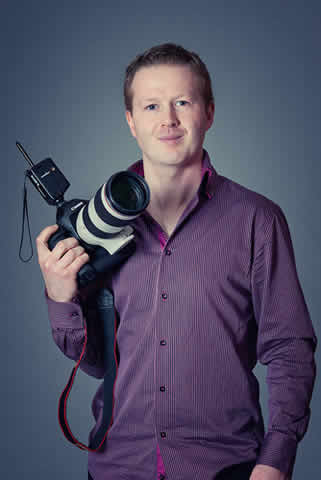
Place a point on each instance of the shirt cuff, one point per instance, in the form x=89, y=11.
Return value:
x=279, y=451
x=65, y=314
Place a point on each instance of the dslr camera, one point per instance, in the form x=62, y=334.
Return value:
x=101, y=224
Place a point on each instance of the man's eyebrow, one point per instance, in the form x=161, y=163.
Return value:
x=186, y=94
x=157, y=99
x=152, y=99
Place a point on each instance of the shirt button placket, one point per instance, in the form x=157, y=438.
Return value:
x=163, y=342
x=167, y=252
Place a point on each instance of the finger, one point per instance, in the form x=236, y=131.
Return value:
x=76, y=265
x=63, y=246
x=42, y=240
x=70, y=256
x=46, y=233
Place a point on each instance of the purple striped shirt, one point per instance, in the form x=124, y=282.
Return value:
x=196, y=312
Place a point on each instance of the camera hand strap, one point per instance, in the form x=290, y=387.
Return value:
x=25, y=216
x=104, y=309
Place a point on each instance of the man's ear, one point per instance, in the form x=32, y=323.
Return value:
x=130, y=122
x=210, y=115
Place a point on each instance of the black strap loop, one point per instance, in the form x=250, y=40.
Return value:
x=25, y=215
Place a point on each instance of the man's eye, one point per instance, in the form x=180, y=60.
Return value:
x=181, y=103
x=153, y=106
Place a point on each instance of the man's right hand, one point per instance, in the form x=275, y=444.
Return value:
x=60, y=266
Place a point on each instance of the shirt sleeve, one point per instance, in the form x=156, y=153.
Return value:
x=68, y=324
x=286, y=342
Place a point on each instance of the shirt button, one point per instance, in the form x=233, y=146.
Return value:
x=168, y=251
x=164, y=296
x=162, y=342
x=163, y=434
x=162, y=388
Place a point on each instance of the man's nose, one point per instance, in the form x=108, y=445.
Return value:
x=170, y=118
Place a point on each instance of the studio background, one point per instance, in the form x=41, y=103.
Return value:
x=62, y=66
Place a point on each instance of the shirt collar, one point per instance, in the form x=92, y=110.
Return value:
x=208, y=174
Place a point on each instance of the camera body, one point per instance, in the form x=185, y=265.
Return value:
x=121, y=245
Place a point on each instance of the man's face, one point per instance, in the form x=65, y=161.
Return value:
x=169, y=118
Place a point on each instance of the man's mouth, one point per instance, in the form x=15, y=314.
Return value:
x=170, y=138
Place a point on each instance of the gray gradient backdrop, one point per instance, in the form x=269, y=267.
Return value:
x=62, y=66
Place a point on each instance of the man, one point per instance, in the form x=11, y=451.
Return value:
x=211, y=289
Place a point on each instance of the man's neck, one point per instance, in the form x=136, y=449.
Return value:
x=172, y=189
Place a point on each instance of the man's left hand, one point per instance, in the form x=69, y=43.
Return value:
x=265, y=472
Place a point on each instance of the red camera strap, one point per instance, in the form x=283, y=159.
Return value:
x=105, y=312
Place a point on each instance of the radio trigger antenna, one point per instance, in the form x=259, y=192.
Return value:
x=24, y=153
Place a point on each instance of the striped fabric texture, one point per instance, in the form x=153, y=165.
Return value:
x=196, y=312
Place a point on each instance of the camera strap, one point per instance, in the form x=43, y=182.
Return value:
x=25, y=216
x=105, y=313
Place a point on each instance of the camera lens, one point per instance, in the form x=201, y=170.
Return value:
x=124, y=197
x=127, y=193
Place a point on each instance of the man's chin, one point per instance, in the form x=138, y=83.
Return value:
x=167, y=159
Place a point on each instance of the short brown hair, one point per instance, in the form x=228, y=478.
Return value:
x=167, y=54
